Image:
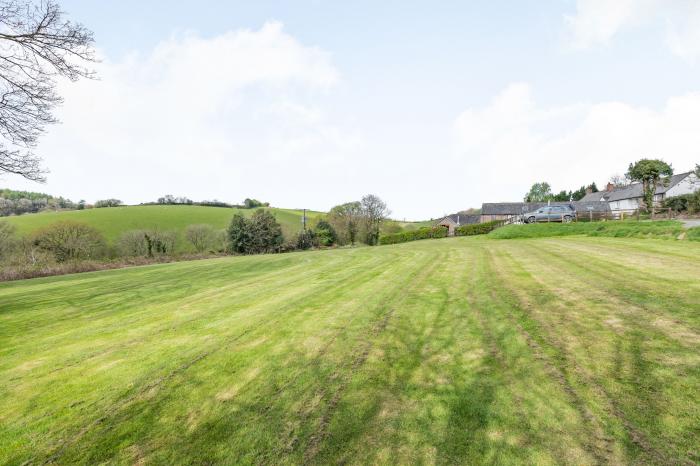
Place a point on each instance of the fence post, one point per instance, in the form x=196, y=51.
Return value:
x=669, y=213
x=590, y=215
x=622, y=216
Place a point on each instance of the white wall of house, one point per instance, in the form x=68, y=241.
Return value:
x=626, y=205
x=688, y=185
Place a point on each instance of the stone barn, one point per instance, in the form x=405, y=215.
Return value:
x=453, y=221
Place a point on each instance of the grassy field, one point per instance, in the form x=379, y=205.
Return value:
x=571, y=350
x=661, y=229
x=113, y=221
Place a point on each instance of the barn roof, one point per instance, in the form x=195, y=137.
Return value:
x=462, y=219
x=519, y=208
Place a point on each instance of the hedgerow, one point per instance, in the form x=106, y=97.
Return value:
x=421, y=233
x=477, y=228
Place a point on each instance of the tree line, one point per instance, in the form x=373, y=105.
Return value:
x=68, y=245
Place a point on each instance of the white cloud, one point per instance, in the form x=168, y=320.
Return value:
x=513, y=142
x=598, y=21
x=241, y=114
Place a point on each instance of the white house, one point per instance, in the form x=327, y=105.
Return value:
x=629, y=198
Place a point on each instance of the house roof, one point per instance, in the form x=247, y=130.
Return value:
x=462, y=219
x=635, y=190
x=592, y=197
x=519, y=208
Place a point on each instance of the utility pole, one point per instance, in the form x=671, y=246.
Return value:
x=303, y=220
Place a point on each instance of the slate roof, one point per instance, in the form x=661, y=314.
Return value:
x=463, y=219
x=519, y=208
x=634, y=190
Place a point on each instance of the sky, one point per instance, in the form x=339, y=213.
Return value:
x=435, y=107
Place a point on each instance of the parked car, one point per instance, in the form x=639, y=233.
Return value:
x=552, y=213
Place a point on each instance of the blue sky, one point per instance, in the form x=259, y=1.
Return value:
x=434, y=106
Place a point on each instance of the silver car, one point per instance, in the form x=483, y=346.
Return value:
x=551, y=213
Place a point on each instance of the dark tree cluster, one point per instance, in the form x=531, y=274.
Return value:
x=257, y=235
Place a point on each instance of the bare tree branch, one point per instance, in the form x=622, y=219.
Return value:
x=37, y=45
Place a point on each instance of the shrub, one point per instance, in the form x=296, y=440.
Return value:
x=325, y=234
x=107, y=203
x=70, y=240
x=477, y=228
x=306, y=239
x=685, y=203
x=133, y=244
x=200, y=236
x=259, y=234
x=160, y=243
x=147, y=243
x=693, y=234
x=421, y=233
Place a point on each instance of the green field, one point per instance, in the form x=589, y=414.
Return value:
x=113, y=221
x=571, y=350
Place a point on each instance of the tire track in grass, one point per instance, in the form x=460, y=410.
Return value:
x=168, y=325
x=120, y=405
x=288, y=438
x=684, y=336
x=609, y=271
x=602, y=454
x=675, y=340
x=562, y=374
x=322, y=431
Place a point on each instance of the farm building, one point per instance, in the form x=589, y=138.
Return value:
x=455, y=220
x=504, y=210
x=629, y=198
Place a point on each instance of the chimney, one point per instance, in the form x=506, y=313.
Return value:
x=589, y=190
x=610, y=187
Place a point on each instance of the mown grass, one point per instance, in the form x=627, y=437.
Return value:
x=114, y=221
x=469, y=351
x=663, y=229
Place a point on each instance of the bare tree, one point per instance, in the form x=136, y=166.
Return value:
x=37, y=45
x=619, y=181
x=375, y=212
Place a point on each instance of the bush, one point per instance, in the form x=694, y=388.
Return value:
x=70, y=240
x=685, y=203
x=306, y=239
x=200, y=236
x=107, y=203
x=477, y=228
x=421, y=233
x=147, y=243
x=693, y=234
x=259, y=234
x=325, y=234
x=133, y=244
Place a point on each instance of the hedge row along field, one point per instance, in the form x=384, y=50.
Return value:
x=438, y=232
x=421, y=233
x=477, y=228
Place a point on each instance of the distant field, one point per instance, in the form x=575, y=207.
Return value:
x=113, y=221
x=571, y=350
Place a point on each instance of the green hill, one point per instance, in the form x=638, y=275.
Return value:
x=113, y=221
x=570, y=350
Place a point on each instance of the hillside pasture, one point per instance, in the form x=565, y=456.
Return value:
x=113, y=221
x=460, y=350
